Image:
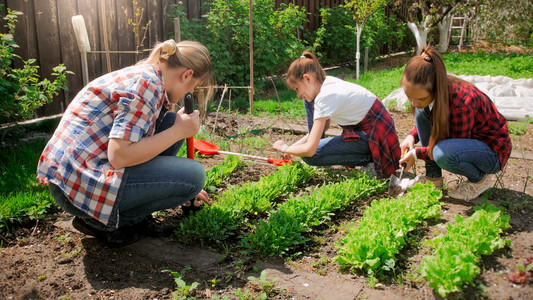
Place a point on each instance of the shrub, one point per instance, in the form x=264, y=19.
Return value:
x=335, y=42
x=21, y=90
x=226, y=35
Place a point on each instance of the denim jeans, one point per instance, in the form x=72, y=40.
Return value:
x=335, y=151
x=468, y=157
x=165, y=181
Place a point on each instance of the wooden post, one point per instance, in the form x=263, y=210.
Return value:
x=251, y=90
x=177, y=30
x=106, y=45
x=365, y=69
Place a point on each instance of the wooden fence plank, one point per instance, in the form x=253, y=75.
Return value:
x=112, y=35
x=194, y=9
x=25, y=34
x=89, y=10
x=167, y=25
x=70, y=55
x=47, y=27
x=153, y=14
x=124, y=30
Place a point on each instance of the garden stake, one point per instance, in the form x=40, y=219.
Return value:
x=207, y=148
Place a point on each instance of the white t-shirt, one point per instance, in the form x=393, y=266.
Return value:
x=343, y=102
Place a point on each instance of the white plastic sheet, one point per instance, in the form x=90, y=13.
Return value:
x=513, y=97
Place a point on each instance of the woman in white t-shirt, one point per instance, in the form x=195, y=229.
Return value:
x=368, y=132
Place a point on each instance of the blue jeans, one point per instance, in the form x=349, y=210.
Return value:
x=468, y=157
x=164, y=182
x=335, y=151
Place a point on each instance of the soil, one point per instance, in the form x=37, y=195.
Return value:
x=49, y=259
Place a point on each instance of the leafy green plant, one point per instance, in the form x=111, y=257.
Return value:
x=63, y=238
x=182, y=288
x=524, y=274
x=374, y=243
x=267, y=286
x=457, y=253
x=21, y=89
x=519, y=127
x=219, y=221
x=218, y=173
x=284, y=231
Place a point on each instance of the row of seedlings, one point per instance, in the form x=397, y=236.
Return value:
x=381, y=233
x=456, y=254
x=219, y=173
x=286, y=228
x=216, y=223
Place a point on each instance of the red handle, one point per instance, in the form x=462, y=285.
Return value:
x=189, y=103
x=190, y=147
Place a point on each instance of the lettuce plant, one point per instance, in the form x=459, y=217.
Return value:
x=456, y=254
x=373, y=244
x=285, y=230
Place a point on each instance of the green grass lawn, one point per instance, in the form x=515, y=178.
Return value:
x=382, y=83
x=21, y=197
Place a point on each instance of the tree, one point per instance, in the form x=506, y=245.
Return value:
x=425, y=15
x=362, y=10
x=501, y=21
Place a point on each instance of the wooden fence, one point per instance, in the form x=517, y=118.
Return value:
x=45, y=32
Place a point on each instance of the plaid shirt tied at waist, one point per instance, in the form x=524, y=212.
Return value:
x=378, y=125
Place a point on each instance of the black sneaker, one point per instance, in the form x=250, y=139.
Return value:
x=121, y=237
x=150, y=226
x=87, y=229
x=191, y=208
x=113, y=239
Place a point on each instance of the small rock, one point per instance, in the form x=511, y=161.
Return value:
x=64, y=261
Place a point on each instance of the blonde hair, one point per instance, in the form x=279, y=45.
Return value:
x=306, y=64
x=428, y=71
x=187, y=54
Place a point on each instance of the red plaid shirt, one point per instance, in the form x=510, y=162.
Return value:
x=474, y=116
x=382, y=138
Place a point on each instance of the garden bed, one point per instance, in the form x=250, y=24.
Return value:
x=50, y=260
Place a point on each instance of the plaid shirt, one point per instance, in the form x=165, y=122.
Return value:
x=123, y=105
x=382, y=138
x=474, y=116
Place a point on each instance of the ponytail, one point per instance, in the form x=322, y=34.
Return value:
x=427, y=71
x=306, y=64
x=187, y=54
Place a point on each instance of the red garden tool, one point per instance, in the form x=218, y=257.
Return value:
x=212, y=149
x=189, y=108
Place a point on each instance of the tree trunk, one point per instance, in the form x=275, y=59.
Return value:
x=444, y=33
x=359, y=29
x=420, y=31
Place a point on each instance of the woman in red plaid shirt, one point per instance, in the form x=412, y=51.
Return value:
x=112, y=160
x=368, y=131
x=458, y=126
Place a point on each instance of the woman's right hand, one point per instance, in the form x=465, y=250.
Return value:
x=187, y=124
x=408, y=143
